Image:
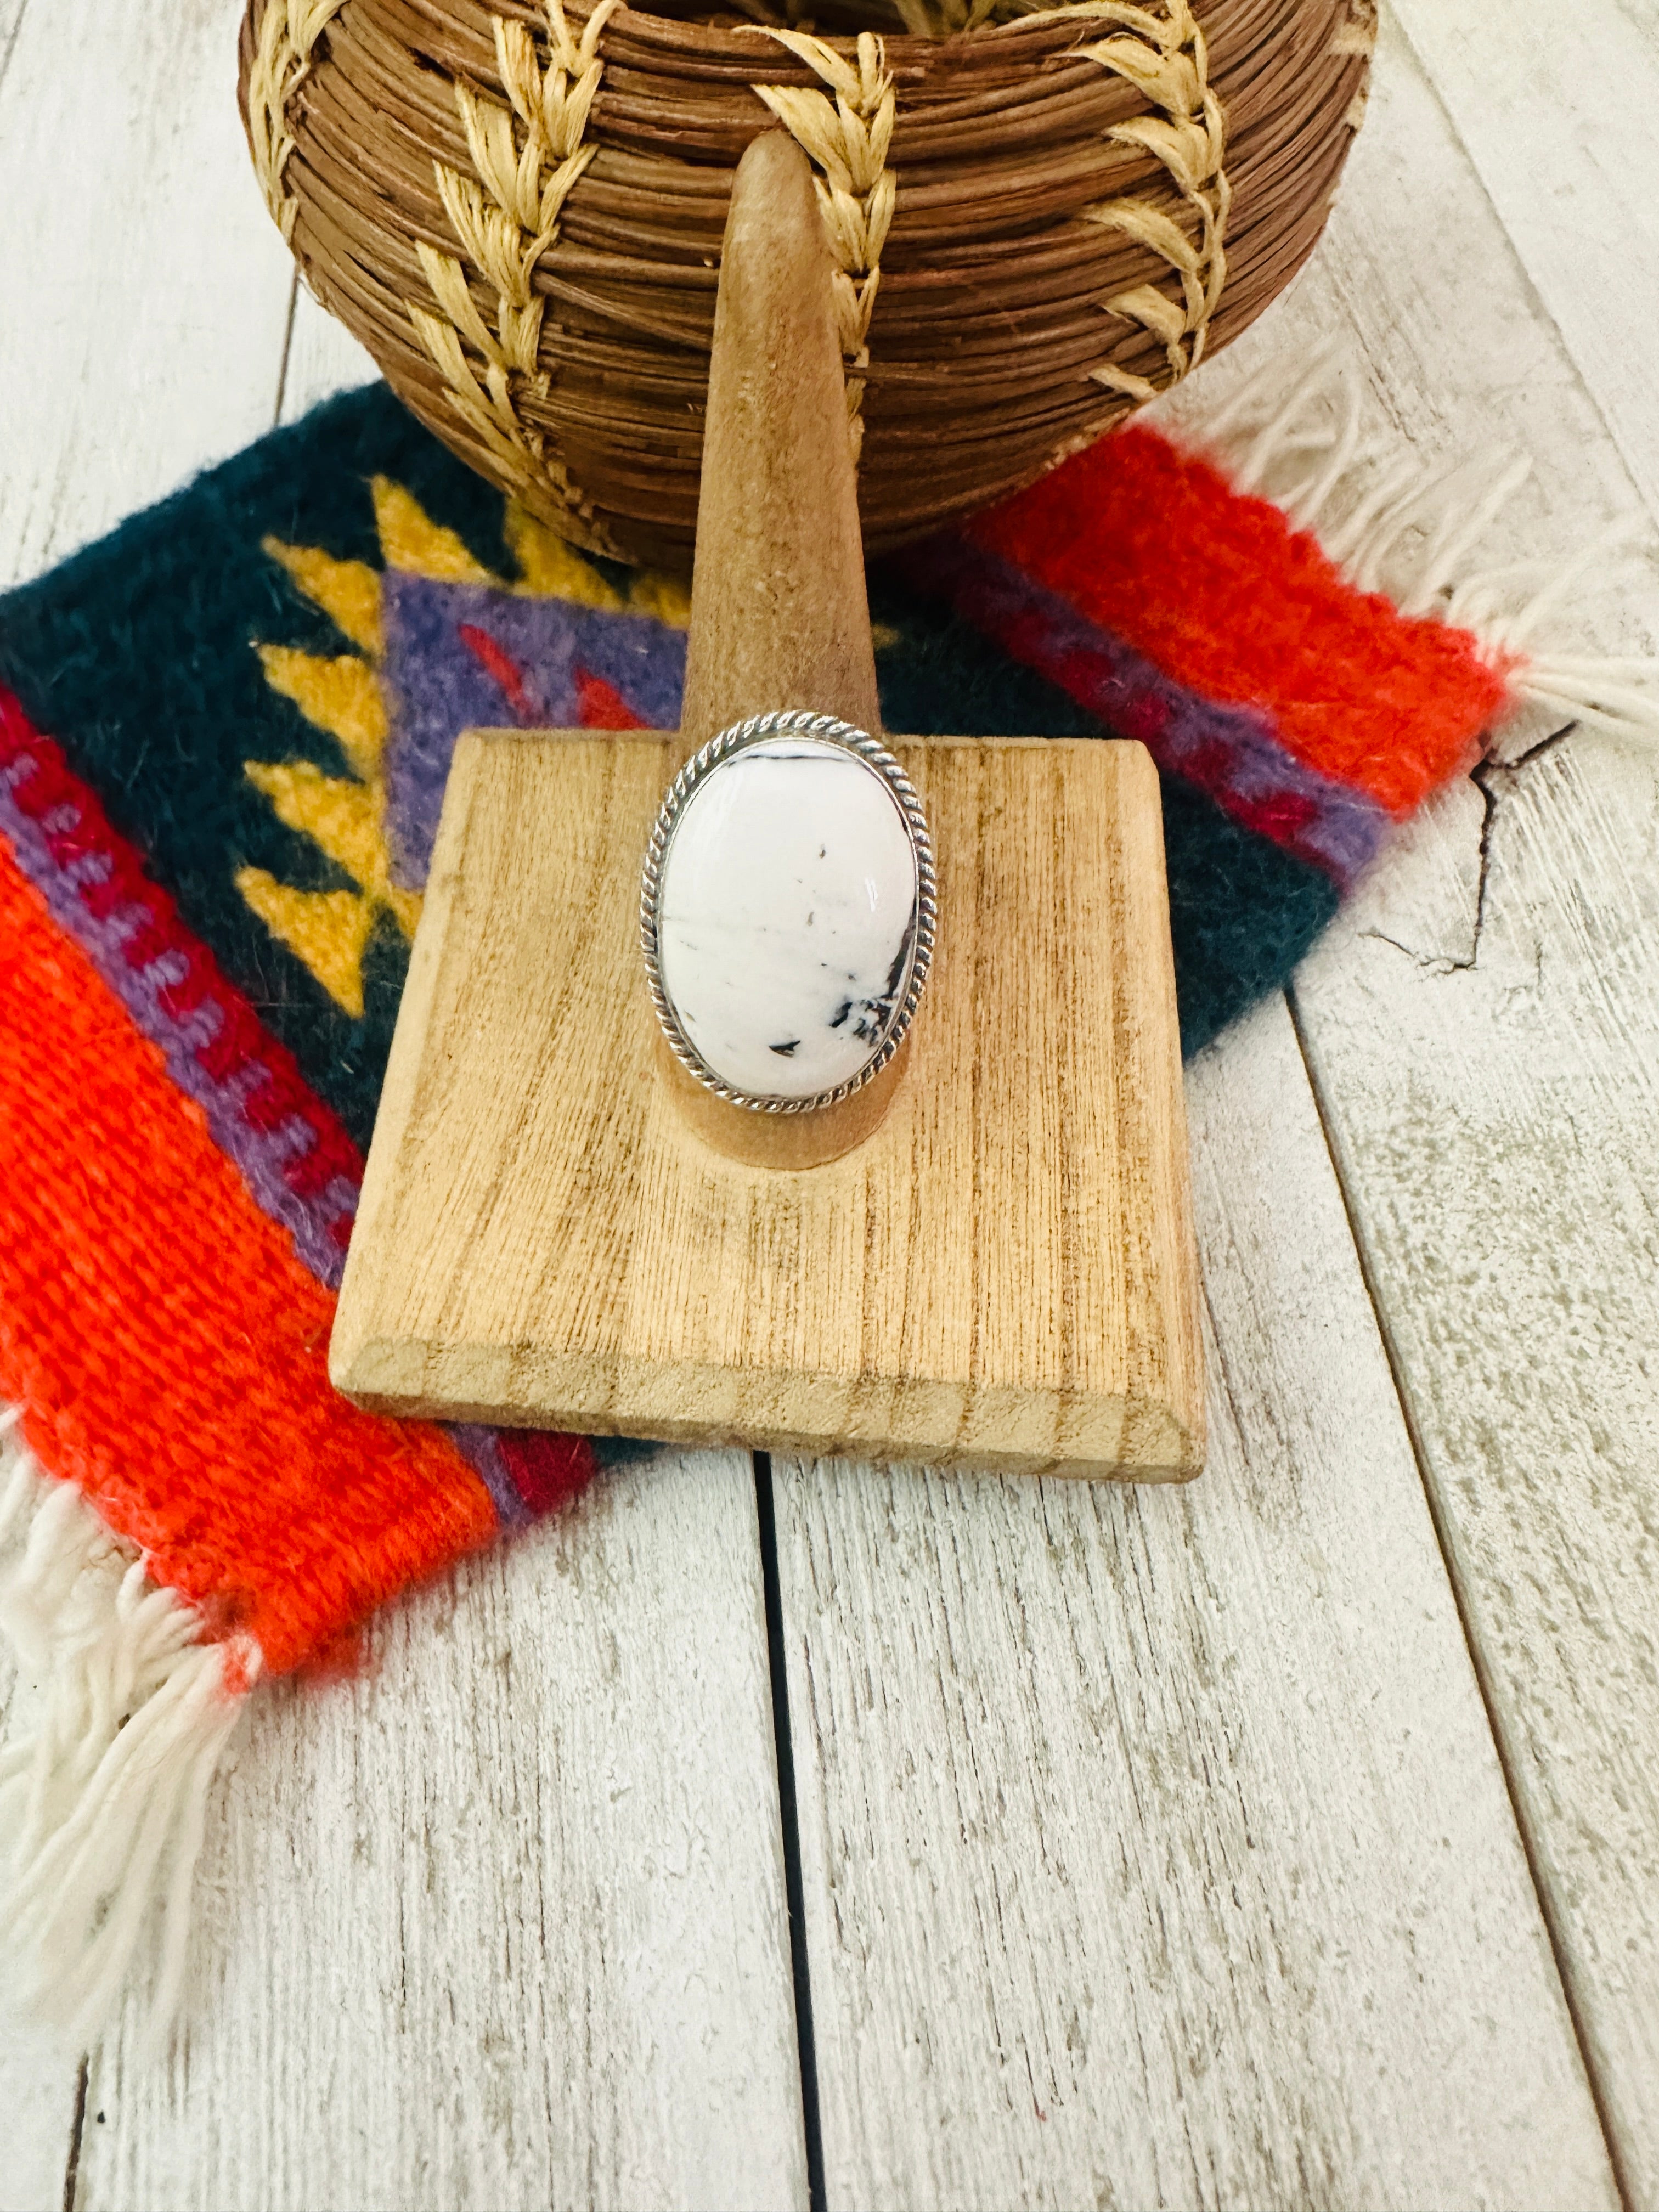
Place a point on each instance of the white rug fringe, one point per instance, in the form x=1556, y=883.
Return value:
x=1408, y=527
x=102, y=1808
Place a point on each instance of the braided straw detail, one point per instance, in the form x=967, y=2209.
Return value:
x=505, y=218
x=848, y=140
x=282, y=61
x=1164, y=58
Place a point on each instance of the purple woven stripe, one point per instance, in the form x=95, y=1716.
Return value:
x=260, y=1155
x=1233, y=753
x=481, y=1448
x=439, y=687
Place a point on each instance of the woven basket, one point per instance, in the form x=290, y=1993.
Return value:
x=1038, y=223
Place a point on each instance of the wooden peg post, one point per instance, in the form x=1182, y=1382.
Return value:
x=779, y=614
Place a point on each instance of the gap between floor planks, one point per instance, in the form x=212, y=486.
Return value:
x=1155, y=1846
x=1480, y=1026
x=1518, y=354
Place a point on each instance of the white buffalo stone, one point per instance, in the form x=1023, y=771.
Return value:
x=786, y=917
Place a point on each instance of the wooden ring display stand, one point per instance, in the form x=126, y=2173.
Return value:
x=991, y=1264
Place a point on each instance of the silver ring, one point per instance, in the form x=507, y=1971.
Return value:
x=893, y=1006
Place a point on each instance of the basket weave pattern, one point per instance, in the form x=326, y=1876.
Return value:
x=1037, y=223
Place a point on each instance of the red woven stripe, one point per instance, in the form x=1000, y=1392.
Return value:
x=600, y=706
x=45, y=786
x=547, y=1470
x=1226, y=598
x=167, y=1347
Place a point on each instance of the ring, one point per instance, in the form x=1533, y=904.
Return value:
x=786, y=912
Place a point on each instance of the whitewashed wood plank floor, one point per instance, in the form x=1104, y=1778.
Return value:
x=1483, y=1027
x=1287, y=1840
x=1156, y=1851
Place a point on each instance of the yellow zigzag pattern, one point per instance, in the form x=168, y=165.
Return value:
x=345, y=817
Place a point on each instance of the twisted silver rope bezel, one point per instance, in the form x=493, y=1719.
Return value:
x=792, y=722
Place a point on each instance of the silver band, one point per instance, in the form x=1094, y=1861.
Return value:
x=794, y=722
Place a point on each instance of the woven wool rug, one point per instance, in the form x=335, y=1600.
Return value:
x=224, y=733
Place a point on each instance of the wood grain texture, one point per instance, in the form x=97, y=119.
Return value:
x=779, y=615
x=781, y=1140
x=146, y=289
x=1559, y=124
x=11, y=20
x=39, y=2086
x=1002, y=1275
x=38, y=2093
x=501, y=1922
x=1482, y=1028
x=1153, y=1844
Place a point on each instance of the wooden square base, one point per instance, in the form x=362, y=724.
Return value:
x=1002, y=1275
